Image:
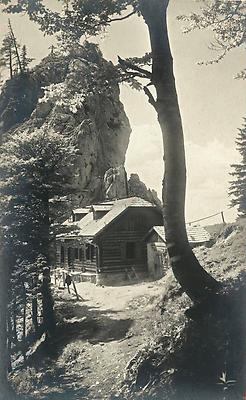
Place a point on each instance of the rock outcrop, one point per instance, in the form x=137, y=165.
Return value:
x=137, y=188
x=76, y=96
x=115, y=183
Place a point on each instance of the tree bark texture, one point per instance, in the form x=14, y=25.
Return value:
x=49, y=321
x=35, y=302
x=24, y=323
x=196, y=282
x=35, y=314
x=5, y=391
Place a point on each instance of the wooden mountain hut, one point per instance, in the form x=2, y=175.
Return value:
x=156, y=247
x=108, y=245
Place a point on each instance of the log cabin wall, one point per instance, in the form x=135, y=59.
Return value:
x=76, y=255
x=122, y=246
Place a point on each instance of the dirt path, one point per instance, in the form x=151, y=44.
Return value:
x=97, y=337
x=120, y=336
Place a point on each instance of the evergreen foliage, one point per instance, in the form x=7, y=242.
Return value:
x=238, y=185
x=11, y=57
x=89, y=74
x=80, y=18
x=7, y=54
x=32, y=183
x=34, y=193
x=35, y=172
x=25, y=60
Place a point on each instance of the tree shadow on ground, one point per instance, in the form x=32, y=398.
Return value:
x=59, y=386
x=76, y=322
x=80, y=322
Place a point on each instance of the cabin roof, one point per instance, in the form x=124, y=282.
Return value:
x=102, y=207
x=89, y=227
x=196, y=233
x=81, y=210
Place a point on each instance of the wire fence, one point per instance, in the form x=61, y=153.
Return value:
x=221, y=213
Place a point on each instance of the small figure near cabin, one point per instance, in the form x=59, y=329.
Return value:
x=68, y=281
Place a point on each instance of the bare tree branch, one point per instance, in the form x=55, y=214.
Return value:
x=134, y=74
x=122, y=18
x=127, y=64
x=150, y=97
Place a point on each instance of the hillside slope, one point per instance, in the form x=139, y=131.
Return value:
x=137, y=346
x=195, y=358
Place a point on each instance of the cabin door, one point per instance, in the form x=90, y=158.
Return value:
x=70, y=256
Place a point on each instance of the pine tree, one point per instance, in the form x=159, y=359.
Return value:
x=25, y=60
x=6, y=392
x=89, y=18
x=16, y=47
x=238, y=185
x=6, y=54
x=10, y=56
x=35, y=169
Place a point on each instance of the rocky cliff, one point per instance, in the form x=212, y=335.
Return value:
x=137, y=188
x=77, y=95
x=74, y=95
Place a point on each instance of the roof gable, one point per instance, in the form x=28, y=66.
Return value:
x=90, y=227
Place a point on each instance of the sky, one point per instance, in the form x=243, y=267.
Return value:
x=212, y=105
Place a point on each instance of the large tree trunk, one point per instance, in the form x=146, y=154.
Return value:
x=49, y=321
x=35, y=313
x=35, y=301
x=196, y=282
x=5, y=390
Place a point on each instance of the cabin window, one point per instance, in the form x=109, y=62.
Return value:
x=131, y=250
x=80, y=254
x=70, y=255
x=62, y=255
x=87, y=252
x=76, y=253
x=90, y=252
x=93, y=252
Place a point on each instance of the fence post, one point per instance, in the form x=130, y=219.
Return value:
x=223, y=218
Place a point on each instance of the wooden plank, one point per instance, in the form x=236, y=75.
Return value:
x=118, y=235
x=123, y=262
x=111, y=241
x=93, y=271
x=112, y=253
x=123, y=268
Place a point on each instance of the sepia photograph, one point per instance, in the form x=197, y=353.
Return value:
x=122, y=199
